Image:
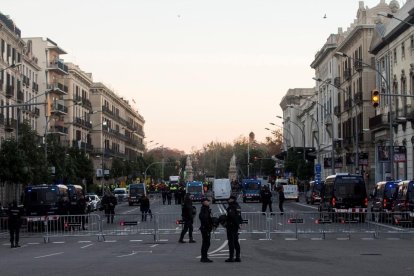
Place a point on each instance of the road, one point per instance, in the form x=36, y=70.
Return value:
x=134, y=254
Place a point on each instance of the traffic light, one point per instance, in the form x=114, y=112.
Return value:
x=375, y=98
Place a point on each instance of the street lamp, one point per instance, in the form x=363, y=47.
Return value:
x=10, y=67
x=303, y=137
x=390, y=107
x=389, y=15
x=104, y=124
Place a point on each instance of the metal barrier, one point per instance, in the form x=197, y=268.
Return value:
x=127, y=224
x=257, y=225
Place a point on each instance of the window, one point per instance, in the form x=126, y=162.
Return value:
x=395, y=55
x=403, y=50
x=412, y=43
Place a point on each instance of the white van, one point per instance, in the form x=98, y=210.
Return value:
x=221, y=189
x=291, y=192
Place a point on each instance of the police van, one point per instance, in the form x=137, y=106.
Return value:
x=343, y=198
x=383, y=198
x=291, y=191
x=403, y=208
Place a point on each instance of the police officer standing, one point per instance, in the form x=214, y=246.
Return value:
x=281, y=199
x=15, y=221
x=188, y=219
x=266, y=197
x=233, y=223
x=206, y=226
x=109, y=202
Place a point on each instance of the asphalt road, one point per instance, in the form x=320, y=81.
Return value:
x=133, y=254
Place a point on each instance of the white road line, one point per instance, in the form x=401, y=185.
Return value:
x=225, y=250
x=220, y=248
x=291, y=239
x=154, y=245
x=135, y=240
x=134, y=253
x=384, y=225
x=393, y=239
x=33, y=243
x=130, y=211
x=84, y=241
x=110, y=241
x=342, y=239
x=367, y=239
x=50, y=255
x=163, y=240
x=58, y=242
x=307, y=206
x=316, y=239
x=86, y=246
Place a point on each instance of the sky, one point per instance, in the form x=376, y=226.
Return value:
x=198, y=70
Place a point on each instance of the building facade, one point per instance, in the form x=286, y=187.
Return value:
x=393, y=47
x=119, y=131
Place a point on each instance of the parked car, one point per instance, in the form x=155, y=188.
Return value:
x=94, y=201
x=121, y=194
x=383, y=198
x=314, y=193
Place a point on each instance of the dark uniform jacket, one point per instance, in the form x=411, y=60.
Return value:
x=145, y=204
x=234, y=219
x=266, y=196
x=15, y=217
x=187, y=210
x=206, y=221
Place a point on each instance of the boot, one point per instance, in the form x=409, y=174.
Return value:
x=192, y=241
x=229, y=260
x=205, y=260
x=12, y=245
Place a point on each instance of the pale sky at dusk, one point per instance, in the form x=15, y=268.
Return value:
x=199, y=70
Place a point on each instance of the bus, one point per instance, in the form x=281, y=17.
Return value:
x=195, y=189
x=136, y=192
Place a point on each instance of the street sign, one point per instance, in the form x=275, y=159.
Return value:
x=128, y=223
x=295, y=220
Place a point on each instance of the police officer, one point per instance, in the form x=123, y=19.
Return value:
x=234, y=221
x=206, y=226
x=145, y=207
x=169, y=196
x=82, y=210
x=266, y=197
x=188, y=218
x=281, y=199
x=109, y=202
x=15, y=221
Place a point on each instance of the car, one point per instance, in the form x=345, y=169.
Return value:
x=344, y=198
x=314, y=193
x=403, y=208
x=94, y=201
x=121, y=194
x=383, y=198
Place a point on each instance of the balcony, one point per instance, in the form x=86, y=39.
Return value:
x=1, y=119
x=82, y=145
x=86, y=103
x=378, y=122
x=20, y=96
x=347, y=74
x=337, y=110
x=36, y=111
x=58, y=88
x=59, y=109
x=358, y=98
x=358, y=65
x=82, y=123
x=9, y=91
x=10, y=125
x=106, y=110
x=59, y=67
x=58, y=130
x=35, y=87
x=347, y=105
x=337, y=82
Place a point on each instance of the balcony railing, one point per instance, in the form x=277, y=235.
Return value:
x=10, y=124
x=347, y=105
x=58, y=88
x=35, y=87
x=82, y=145
x=337, y=82
x=10, y=91
x=358, y=98
x=86, y=103
x=347, y=74
x=81, y=122
x=1, y=119
x=337, y=110
x=58, y=108
x=358, y=65
x=36, y=111
x=59, y=66
x=58, y=129
x=20, y=96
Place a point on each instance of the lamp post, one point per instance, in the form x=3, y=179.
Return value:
x=10, y=67
x=303, y=136
x=390, y=117
x=104, y=124
x=390, y=15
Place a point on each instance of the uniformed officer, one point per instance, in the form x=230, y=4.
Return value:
x=206, y=226
x=234, y=220
x=15, y=221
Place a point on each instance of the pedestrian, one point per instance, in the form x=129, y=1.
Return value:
x=266, y=198
x=177, y=196
x=169, y=196
x=281, y=199
x=206, y=226
x=145, y=207
x=188, y=218
x=15, y=222
x=82, y=207
x=164, y=195
x=233, y=222
x=109, y=202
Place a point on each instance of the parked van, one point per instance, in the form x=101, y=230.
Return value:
x=344, y=197
x=251, y=190
x=221, y=189
x=384, y=195
x=136, y=192
x=403, y=210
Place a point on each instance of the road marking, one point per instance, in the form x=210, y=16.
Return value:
x=154, y=245
x=135, y=240
x=242, y=239
x=84, y=241
x=130, y=211
x=58, y=242
x=316, y=239
x=220, y=248
x=33, y=243
x=307, y=206
x=367, y=239
x=291, y=239
x=110, y=241
x=393, y=239
x=86, y=246
x=384, y=225
x=134, y=253
x=224, y=250
x=6, y=244
x=342, y=239
x=163, y=240
x=50, y=255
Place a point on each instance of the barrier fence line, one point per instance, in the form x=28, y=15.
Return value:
x=256, y=225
